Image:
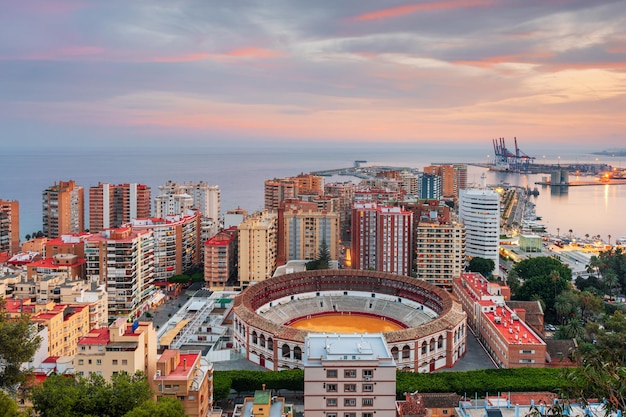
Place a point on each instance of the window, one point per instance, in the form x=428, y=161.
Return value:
x=349, y=402
x=349, y=387
x=368, y=402
x=331, y=387
x=349, y=373
x=331, y=373
x=331, y=402
x=368, y=388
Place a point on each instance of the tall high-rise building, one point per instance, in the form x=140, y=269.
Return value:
x=381, y=238
x=439, y=252
x=302, y=228
x=111, y=206
x=9, y=226
x=63, y=207
x=177, y=247
x=257, y=247
x=123, y=259
x=479, y=211
x=175, y=199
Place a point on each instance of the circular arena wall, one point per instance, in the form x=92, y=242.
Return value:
x=436, y=344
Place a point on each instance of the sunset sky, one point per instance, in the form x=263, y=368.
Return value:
x=211, y=72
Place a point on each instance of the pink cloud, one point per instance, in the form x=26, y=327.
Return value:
x=424, y=7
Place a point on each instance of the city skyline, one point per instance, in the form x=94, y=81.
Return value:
x=406, y=72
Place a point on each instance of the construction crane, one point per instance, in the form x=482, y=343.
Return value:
x=509, y=161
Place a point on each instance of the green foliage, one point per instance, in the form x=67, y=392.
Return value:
x=323, y=258
x=179, y=279
x=164, y=407
x=61, y=395
x=8, y=407
x=18, y=344
x=484, y=266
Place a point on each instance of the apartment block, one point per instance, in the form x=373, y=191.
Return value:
x=9, y=226
x=220, y=259
x=122, y=347
x=257, y=243
x=479, y=211
x=381, y=238
x=63, y=209
x=66, y=325
x=503, y=332
x=112, y=205
x=348, y=375
x=439, y=252
x=302, y=228
x=123, y=259
x=177, y=244
x=185, y=375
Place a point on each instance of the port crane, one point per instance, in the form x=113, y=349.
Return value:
x=507, y=160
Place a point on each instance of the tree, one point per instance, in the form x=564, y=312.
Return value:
x=164, y=407
x=482, y=266
x=323, y=258
x=18, y=344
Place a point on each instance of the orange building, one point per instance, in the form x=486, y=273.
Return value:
x=63, y=209
x=9, y=226
x=188, y=377
x=114, y=205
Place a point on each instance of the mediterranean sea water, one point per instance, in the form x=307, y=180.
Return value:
x=240, y=171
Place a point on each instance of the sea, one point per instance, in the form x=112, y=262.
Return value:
x=240, y=171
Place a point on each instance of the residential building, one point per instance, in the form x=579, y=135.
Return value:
x=9, y=226
x=257, y=243
x=122, y=347
x=348, y=375
x=177, y=244
x=185, y=375
x=63, y=209
x=302, y=228
x=179, y=199
x=479, y=211
x=123, y=259
x=439, y=252
x=111, y=206
x=66, y=325
x=220, y=259
x=264, y=404
x=381, y=238
x=505, y=335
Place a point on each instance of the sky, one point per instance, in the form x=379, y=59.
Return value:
x=201, y=72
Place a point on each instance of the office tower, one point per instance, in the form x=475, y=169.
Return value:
x=123, y=259
x=348, y=375
x=430, y=187
x=175, y=199
x=63, y=209
x=381, y=238
x=257, y=247
x=9, y=226
x=177, y=247
x=439, y=251
x=479, y=211
x=302, y=228
x=220, y=259
x=112, y=206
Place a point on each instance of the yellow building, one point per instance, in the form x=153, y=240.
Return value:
x=257, y=238
x=123, y=347
x=66, y=325
x=188, y=377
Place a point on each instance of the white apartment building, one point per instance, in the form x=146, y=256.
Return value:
x=348, y=375
x=479, y=211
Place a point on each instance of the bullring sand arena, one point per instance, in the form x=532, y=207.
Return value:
x=424, y=327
